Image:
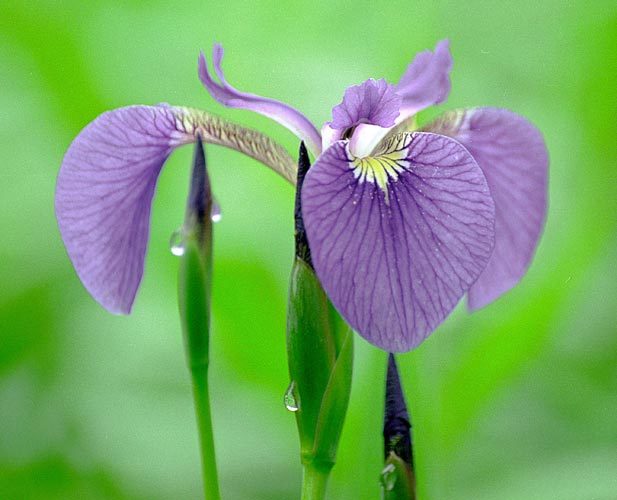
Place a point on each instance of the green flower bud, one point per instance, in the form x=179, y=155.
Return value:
x=320, y=353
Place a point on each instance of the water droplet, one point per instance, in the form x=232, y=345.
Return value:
x=216, y=215
x=389, y=477
x=289, y=399
x=176, y=242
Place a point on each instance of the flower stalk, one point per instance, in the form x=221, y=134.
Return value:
x=320, y=355
x=315, y=481
x=194, y=288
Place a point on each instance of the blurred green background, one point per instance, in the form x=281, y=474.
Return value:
x=518, y=401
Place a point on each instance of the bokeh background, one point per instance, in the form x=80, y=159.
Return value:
x=517, y=401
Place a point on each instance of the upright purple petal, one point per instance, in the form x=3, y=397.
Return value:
x=398, y=238
x=106, y=184
x=374, y=102
x=426, y=80
x=276, y=110
x=329, y=135
x=513, y=157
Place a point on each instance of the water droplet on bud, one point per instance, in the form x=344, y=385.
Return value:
x=289, y=399
x=389, y=477
x=176, y=243
x=216, y=215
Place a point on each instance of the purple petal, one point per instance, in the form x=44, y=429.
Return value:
x=107, y=180
x=513, y=156
x=276, y=110
x=397, y=239
x=104, y=194
x=329, y=135
x=374, y=102
x=426, y=80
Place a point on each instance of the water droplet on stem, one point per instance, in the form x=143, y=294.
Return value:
x=176, y=242
x=389, y=477
x=291, y=403
x=216, y=215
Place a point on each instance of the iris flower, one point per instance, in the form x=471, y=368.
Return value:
x=402, y=220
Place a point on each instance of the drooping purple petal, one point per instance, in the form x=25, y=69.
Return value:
x=513, y=157
x=104, y=194
x=106, y=184
x=426, y=80
x=276, y=110
x=374, y=102
x=398, y=238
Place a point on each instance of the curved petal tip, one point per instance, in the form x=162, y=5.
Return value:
x=426, y=80
x=229, y=96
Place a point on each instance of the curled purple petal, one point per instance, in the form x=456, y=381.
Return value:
x=374, y=102
x=513, y=157
x=398, y=238
x=426, y=80
x=276, y=110
x=107, y=180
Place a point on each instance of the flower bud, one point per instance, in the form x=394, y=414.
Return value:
x=397, y=476
x=320, y=353
x=195, y=275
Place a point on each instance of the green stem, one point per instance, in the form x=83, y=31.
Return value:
x=199, y=375
x=194, y=288
x=314, y=481
x=194, y=302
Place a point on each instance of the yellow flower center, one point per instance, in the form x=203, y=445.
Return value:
x=388, y=162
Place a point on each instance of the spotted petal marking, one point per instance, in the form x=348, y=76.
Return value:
x=395, y=264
